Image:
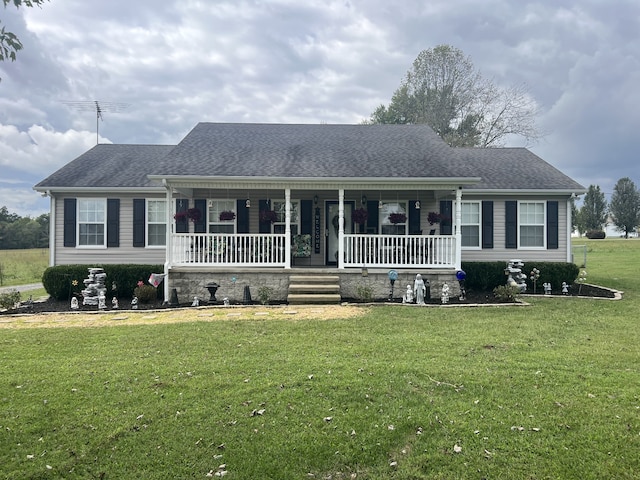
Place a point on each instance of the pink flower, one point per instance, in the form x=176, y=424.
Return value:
x=140, y=283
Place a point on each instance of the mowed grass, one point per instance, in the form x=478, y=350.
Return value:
x=22, y=267
x=542, y=391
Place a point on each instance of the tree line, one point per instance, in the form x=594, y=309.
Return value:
x=623, y=210
x=18, y=232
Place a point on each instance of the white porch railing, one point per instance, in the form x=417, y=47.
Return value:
x=429, y=251
x=268, y=250
x=241, y=249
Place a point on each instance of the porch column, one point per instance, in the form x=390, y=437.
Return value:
x=168, y=255
x=341, y=228
x=287, y=228
x=458, y=229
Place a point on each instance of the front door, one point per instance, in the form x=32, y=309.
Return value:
x=331, y=228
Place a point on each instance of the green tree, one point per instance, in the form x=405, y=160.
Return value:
x=443, y=90
x=575, y=217
x=9, y=43
x=593, y=214
x=625, y=206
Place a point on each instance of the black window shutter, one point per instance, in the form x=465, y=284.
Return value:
x=113, y=222
x=182, y=225
x=414, y=218
x=487, y=224
x=264, y=227
x=242, y=216
x=446, y=210
x=511, y=224
x=306, y=216
x=372, y=217
x=139, y=219
x=69, y=222
x=201, y=225
x=552, y=225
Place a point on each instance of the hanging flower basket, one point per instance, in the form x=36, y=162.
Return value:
x=268, y=216
x=397, y=218
x=360, y=216
x=434, y=217
x=192, y=214
x=227, y=215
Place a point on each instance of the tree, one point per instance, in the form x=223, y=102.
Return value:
x=593, y=214
x=443, y=90
x=9, y=43
x=575, y=216
x=625, y=206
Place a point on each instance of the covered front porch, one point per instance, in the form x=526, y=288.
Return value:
x=275, y=250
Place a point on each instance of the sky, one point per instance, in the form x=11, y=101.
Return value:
x=160, y=67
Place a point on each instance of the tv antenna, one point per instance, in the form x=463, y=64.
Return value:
x=98, y=107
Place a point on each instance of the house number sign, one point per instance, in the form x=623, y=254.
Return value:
x=316, y=230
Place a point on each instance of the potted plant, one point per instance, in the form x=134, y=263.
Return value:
x=268, y=216
x=434, y=217
x=227, y=215
x=360, y=216
x=397, y=217
x=192, y=214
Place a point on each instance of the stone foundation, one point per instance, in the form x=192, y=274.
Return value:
x=354, y=284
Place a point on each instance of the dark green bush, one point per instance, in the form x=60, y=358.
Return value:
x=595, y=234
x=59, y=280
x=145, y=293
x=488, y=275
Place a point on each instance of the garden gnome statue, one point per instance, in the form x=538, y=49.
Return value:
x=74, y=303
x=114, y=303
x=196, y=302
x=445, y=293
x=547, y=288
x=102, y=301
x=419, y=289
x=134, y=303
x=565, y=288
x=408, y=296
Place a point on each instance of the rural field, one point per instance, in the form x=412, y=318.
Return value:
x=547, y=390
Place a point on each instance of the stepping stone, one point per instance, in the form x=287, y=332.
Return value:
x=123, y=317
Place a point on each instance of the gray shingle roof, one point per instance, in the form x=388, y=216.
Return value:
x=108, y=165
x=309, y=151
x=510, y=168
x=329, y=151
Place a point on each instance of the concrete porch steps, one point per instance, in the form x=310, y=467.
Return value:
x=316, y=289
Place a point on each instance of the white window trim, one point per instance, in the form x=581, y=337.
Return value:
x=544, y=225
x=283, y=223
x=146, y=223
x=78, y=223
x=479, y=246
x=233, y=222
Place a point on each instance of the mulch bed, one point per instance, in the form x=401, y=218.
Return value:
x=473, y=297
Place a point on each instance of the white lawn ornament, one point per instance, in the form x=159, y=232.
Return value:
x=444, y=297
x=408, y=296
x=74, y=303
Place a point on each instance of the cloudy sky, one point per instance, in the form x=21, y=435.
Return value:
x=169, y=64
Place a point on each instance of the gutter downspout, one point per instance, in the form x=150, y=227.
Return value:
x=168, y=243
x=52, y=229
x=458, y=232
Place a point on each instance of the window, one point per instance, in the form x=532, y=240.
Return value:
x=156, y=223
x=531, y=224
x=216, y=207
x=397, y=209
x=92, y=218
x=470, y=226
x=279, y=224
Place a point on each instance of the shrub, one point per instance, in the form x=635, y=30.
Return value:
x=506, y=293
x=364, y=292
x=264, y=295
x=595, y=234
x=58, y=280
x=145, y=293
x=10, y=299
